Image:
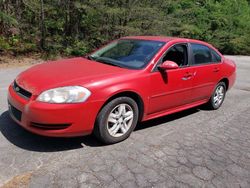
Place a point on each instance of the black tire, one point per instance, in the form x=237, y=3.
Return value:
x=211, y=103
x=101, y=125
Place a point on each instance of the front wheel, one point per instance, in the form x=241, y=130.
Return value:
x=116, y=120
x=217, y=97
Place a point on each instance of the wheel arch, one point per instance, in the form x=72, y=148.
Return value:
x=135, y=96
x=226, y=81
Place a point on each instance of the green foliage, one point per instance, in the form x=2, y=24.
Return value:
x=4, y=45
x=224, y=23
x=7, y=19
x=78, y=49
x=77, y=27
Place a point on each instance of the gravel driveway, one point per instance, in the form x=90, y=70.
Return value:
x=194, y=148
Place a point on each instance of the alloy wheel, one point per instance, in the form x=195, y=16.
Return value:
x=219, y=95
x=120, y=120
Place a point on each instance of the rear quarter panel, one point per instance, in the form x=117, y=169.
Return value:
x=229, y=71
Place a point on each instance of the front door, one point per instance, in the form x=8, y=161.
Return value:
x=172, y=88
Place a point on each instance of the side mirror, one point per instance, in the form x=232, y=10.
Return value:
x=166, y=65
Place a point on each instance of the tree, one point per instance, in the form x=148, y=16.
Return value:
x=75, y=27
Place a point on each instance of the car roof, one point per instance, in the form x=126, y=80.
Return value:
x=165, y=39
x=153, y=38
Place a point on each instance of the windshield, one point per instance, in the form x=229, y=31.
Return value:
x=133, y=54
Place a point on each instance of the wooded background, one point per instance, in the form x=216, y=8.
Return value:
x=76, y=27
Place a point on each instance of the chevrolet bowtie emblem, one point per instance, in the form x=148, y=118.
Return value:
x=17, y=89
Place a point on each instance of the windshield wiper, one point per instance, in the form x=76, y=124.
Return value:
x=90, y=57
x=101, y=60
x=108, y=63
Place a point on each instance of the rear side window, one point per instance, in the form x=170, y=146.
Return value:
x=201, y=53
x=216, y=58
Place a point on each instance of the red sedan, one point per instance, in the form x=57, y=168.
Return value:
x=108, y=92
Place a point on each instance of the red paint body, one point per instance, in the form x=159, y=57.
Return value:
x=160, y=94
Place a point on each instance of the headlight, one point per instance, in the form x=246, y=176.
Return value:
x=69, y=94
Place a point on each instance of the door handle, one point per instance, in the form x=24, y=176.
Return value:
x=216, y=69
x=187, y=76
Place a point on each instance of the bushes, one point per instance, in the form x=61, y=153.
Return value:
x=75, y=28
x=77, y=49
x=4, y=45
x=16, y=46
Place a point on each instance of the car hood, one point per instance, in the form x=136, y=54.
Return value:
x=74, y=71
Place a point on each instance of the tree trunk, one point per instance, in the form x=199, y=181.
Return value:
x=42, y=25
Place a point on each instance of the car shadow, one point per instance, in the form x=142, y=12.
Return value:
x=29, y=141
x=32, y=142
x=166, y=119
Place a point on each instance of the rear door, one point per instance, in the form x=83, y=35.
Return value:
x=207, y=71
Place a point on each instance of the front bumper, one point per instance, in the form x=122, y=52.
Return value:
x=57, y=120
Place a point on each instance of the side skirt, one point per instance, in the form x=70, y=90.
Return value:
x=174, y=110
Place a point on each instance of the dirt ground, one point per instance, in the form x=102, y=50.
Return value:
x=13, y=61
x=24, y=60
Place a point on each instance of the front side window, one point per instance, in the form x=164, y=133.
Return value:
x=177, y=54
x=133, y=54
x=201, y=54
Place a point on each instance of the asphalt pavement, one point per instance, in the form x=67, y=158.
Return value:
x=193, y=148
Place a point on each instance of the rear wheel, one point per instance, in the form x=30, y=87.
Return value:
x=218, y=96
x=116, y=120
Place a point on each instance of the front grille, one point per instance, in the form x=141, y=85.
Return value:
x=49, y=126
x=24, y=93
x=17, y=114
